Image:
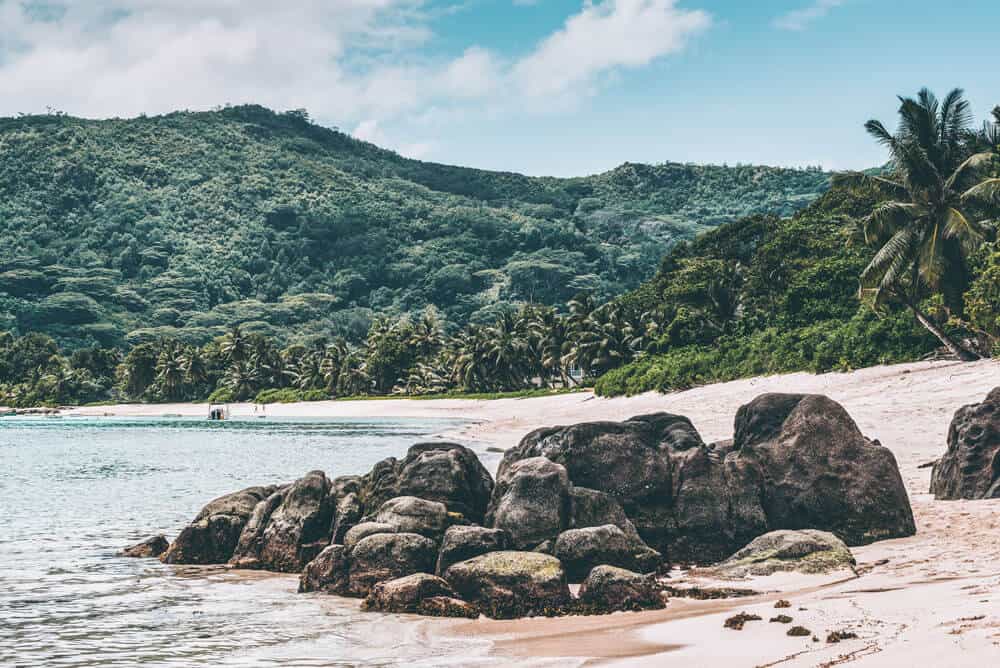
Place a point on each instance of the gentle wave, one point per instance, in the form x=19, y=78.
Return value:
x=75, y=491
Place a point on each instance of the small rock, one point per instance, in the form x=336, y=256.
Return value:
x=406, y=593
x=465, y=542
x=782, y=603
x=837, y=636
x=445, y=606
x=387, y=556
x=608, y=588
x=580, y=550
x=803, y=551
x=361, y=531
x=327, y=572
x=151, y=547
x=410, y=514
x=505, y=585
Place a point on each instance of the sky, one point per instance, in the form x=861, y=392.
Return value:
x=542, y=87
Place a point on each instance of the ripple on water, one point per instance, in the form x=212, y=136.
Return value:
x=75, y=492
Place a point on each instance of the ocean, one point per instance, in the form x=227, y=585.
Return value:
x=75, y=491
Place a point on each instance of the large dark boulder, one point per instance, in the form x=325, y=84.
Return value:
x=797, y=461
x=290, y=528
x=409, y=514
x=629, y=461
x=531, y=501
x=580, y=550
x=970, y=469
x=609, y=589
x=212, y=536
x=386, y=556
x=505, y=585
x=819, y=471
x=327, y=572
x=448, y=473
x=465, y=542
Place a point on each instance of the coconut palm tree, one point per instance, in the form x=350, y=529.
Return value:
x=235, y=345
x=170, y=371
x=195, y=366
x=605, y=341
x=242, y=380
x=924, y=231
x=427, y=337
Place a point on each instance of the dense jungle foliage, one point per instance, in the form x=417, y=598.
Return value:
x=765, y=293
x=123, y=232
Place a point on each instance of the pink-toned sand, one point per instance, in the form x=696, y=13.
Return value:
x=929, y=600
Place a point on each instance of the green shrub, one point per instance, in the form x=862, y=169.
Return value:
x=289, y=395
x=830, y=345
x=221, y=395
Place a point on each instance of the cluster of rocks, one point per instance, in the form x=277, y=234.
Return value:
x=970, y=469
x=602, y=504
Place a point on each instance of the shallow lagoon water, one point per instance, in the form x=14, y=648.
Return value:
x=74, y=491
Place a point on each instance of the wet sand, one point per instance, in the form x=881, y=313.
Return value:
x=929, y=600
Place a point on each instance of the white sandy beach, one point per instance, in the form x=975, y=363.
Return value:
x=929, y=600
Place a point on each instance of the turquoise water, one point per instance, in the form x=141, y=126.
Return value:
x=74, y=491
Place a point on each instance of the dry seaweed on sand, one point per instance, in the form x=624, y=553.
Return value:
x=736, y=622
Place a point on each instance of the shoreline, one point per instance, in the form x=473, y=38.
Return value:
x=933, y=598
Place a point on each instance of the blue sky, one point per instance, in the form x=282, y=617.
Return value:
x=559, y=87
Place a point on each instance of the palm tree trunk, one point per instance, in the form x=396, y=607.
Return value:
x=953, y=346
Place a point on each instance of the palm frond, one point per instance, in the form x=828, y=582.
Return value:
x=887, y=218
x=968, y=232
x=956, y=116
x=968, y=168
x=883, y=136
x=985, y=192
x=880, y=184
x=899, y=248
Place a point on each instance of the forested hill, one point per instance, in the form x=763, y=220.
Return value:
x=121, y=231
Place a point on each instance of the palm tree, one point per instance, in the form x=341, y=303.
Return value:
x=466, y=359
x=242, y=380
x=307, y=374
x=924, y=231
x=552, y=346
x=604, y=341
x=426, y=337
x=332, y=363
x=195, y=366
x=353, y=379
x=235, y=345
x=507, y=353
x=170, y=371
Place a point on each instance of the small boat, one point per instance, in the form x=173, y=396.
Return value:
x=218, y=411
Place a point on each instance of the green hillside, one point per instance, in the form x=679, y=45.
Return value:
x=117, y=232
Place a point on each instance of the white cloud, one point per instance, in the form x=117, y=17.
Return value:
x=603, y=37
x=800, y=19
x=124, y=57
x=360, y=63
